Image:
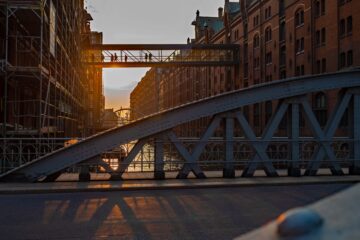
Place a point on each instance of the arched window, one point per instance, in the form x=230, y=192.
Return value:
x=299, y=18
x=268, y=34
x=256, y=41
x=320, y=108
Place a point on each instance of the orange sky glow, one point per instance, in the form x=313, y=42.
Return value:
x=142, y=21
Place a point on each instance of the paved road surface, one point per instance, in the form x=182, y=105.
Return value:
x=219, y=213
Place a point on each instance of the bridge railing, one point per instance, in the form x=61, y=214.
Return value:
x=17, y=151
x=213, y=157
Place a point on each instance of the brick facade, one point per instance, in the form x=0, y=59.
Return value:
x=278, y=39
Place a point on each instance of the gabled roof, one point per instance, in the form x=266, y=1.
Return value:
x=214, y=23
x=232, y=7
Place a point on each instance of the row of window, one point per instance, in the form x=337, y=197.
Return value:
x=300, y=70
x=320, y=8
x=256, y=62
x=268, y=12
x=299, y=18
x=300, y=45
x=236, y=34
x=321, y=66
x=346, y=26
x=256, y=19
x=319, y=107
x=268, y=37
x=342, y=2
x=346, y=59
x=268, y=78
x=268, y=60
x=268, y=34
x=320, y=37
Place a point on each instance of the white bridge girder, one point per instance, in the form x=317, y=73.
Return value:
x=163, y=122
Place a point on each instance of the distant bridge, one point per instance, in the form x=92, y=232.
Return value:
x=162, y=55
x=158, y=128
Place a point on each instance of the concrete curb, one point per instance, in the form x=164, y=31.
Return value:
x=9, y=189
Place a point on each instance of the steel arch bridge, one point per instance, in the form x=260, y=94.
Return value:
x=158, y=128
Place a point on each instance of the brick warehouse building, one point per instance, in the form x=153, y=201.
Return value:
x=278, y=39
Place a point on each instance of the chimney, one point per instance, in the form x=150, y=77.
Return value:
x=243, y=8
x=220, y=12
x=226, y=2
x=197, y=13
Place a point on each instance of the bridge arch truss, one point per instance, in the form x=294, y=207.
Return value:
x=249, y=150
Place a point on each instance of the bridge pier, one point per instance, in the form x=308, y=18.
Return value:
x=116, y=176
x=84, y=175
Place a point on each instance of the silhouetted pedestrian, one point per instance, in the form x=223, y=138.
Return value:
x=115, y=57
x=146, y=57
x=126, y=58
x=150, y=57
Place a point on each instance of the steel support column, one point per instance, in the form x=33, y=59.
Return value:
x=159, y=172
x=190, y=163
x=4, y=123
x=355, y=168
x=190, y=159
x=5, y=97
x=117, y=175
x=229, y=170
x=260, y=145
x=324, y=138
x=294, y=168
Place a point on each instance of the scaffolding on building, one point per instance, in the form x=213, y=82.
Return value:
x=44, y=85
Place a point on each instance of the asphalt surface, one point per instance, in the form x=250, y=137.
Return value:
x=218, y=213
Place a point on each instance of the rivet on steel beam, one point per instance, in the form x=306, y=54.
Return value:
x=298, y=222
